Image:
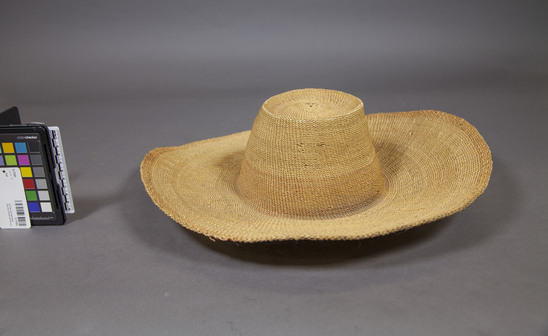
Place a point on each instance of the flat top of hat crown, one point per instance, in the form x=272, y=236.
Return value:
x=312, y=104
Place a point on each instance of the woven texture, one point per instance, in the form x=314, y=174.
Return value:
x=315, y=167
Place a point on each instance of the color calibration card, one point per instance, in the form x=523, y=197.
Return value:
x=25, y=151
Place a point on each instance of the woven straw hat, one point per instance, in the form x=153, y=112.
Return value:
x=315, y=167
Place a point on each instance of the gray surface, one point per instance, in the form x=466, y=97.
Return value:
x=122, y=78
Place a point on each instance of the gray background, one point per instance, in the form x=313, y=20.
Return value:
x=123, y=77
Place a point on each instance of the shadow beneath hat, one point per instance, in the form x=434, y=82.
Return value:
x=311, y=252
x=486, y=217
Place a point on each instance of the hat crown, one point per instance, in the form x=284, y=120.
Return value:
x=310, y=155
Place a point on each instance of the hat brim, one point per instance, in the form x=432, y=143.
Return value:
x=434, y=164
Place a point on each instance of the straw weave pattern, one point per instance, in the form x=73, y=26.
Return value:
x=432, y=164
x=311, y=157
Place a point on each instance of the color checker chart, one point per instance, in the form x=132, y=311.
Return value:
x=25, y=151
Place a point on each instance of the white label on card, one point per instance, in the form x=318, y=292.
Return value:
x=14, y=213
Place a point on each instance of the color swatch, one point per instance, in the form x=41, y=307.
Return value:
x=26, y=155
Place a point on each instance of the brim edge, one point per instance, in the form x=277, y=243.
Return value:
x=471, y=131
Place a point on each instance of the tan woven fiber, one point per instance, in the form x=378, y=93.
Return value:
x=310, y=155
x=314, y=166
